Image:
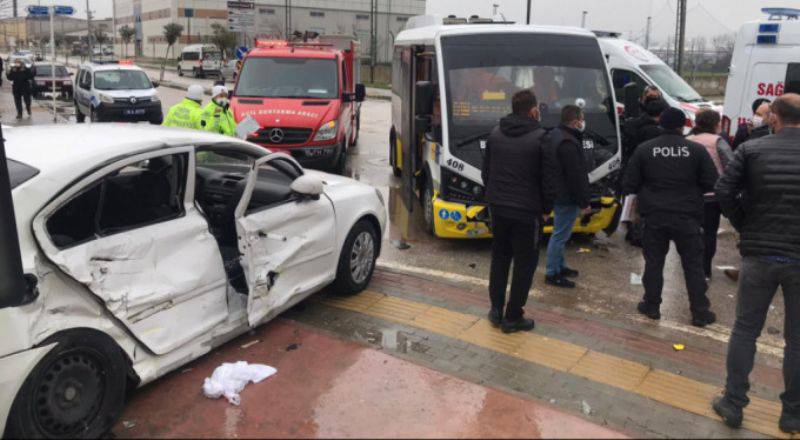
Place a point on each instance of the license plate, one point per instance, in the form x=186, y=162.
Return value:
x=134, y=112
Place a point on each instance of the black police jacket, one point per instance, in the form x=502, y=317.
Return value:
x=512, y=168
x=670, y=174
x=759, y=192
x=566, y=176
x=21, y=79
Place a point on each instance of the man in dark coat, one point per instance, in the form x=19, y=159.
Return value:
x=760, y=194
x=21, y=77
x=756, y=127
x=512, y=175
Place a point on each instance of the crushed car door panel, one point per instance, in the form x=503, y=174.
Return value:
x=132, y=235
x=286, y=240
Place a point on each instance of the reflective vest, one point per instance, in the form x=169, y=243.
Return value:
x=185, y=114
x=215, y=119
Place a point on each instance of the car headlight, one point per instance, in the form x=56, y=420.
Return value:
x=326, y=132
x=105, y=98
x=155, y=98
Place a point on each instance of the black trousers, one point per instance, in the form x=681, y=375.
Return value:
x=711, y=217
x=517, y=241
x=758, y=282
x=685, y=231
x=18, y=98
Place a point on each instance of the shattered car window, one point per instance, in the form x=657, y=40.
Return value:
x=136, y=195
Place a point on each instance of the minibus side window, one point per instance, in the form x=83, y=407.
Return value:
x=621, y=78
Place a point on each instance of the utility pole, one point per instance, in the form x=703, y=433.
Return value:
x=680, y=35
x=114, y=26
x=288, y=18
x=528, y=13
x=583, y=19
x=373, y=42
x=647, y=34
x=89, y=29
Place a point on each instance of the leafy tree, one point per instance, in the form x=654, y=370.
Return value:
x=172, y=32
x=126, y=33
x=100, y=36
x=224, y=39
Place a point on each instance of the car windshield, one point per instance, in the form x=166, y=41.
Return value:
x=482, y=73
x=672, y=84
x=121, y=80
x=45, y=70
x=20, y=173
x=288, y=78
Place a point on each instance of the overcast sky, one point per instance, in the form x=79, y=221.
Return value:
x=704, y=17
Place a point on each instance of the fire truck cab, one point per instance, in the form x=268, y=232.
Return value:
x=305, y=96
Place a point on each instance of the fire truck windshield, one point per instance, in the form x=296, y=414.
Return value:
x=483, y=71
x=288, y=78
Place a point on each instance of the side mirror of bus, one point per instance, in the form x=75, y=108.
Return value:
x=423, y=98
x=361, y=92
x=631, y=93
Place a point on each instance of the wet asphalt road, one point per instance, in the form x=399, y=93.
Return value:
x=606, y=264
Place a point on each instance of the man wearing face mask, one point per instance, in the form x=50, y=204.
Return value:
x=756, y=127
x=21, y=77
x=568, y=185
x=512, y=174
x=217, y=116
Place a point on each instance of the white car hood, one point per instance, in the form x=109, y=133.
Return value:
x=143, y=93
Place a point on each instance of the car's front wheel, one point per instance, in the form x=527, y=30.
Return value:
x=76, y=391
x=357, y=261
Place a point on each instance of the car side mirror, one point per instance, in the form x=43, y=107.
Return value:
x=71, y=73
x=308, y=185
x=156, y=84
x=361, y=92
x=348, y=97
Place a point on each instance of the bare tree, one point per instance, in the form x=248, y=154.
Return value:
x=723, y=45
x=172, y=32
x=126, y=33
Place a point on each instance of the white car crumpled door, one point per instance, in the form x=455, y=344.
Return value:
x=287, y=249
x=165, y=281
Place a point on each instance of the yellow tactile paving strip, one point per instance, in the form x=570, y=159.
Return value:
x=659, y=385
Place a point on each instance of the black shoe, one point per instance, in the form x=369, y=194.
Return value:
x=559, y=281
x=569, y=273
x=702, y=319
x=19, y=115
x=730, y=413
x=495, y=317
x=520, y=324
x=648, y=310
x=788, y=423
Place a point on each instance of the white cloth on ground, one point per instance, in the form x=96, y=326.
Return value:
x=230, y=379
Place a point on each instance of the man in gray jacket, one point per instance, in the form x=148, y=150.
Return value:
x=760, y=194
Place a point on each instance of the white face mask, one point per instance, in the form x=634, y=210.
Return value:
x=581, y=126
x=758, y=121
x=222, y=102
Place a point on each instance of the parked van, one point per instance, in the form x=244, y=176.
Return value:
x=200, y=60
x=765, y=64
x=630, y=62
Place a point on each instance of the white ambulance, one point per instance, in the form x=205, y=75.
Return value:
x=765, y=64
x=630, y=62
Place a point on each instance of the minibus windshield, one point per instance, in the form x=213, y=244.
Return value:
x=483, y=71
x=672, y=84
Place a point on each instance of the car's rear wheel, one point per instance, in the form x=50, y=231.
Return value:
x=76, y=390
x=357, y=261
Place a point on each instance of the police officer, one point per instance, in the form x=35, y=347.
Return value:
x=669, y=175
x=186, y=114
x=217, y=116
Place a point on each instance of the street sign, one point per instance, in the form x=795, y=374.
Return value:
x=38, y=10
x=241, y=5
x=241, y=51
x=241, y=16
x=188, y=12
x=64, y=10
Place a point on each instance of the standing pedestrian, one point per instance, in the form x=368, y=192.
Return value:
x=708, y=126
x=670, y=174
x=512, y=174
x=187, y=113
x=759, y=193
x=217, y=116
x=567, y=175
x=757, y=126
x=21, y=77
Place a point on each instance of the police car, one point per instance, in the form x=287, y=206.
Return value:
x=116, y=92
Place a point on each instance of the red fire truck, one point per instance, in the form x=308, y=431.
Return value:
x=305, y=96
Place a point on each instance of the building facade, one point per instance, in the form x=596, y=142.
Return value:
x=273, y=19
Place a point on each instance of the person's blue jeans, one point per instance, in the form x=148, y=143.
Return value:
x=565, y=216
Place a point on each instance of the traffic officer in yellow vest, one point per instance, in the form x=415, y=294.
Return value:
x=217, y=116
x=186, y=114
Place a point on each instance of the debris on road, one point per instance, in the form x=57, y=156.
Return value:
x=230, y=379
x=250, y=344
x=585, y=408
x=128, y=424
x=584, y=250
x=293, y=346
x=678, y=347
x=636, y=280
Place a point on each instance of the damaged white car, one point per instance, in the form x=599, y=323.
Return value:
x=146, y=247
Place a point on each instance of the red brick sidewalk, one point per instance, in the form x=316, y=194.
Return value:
x=328, y=387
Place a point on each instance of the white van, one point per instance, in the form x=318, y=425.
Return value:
x=765, y=64
x=630, y=62
x=200, y=60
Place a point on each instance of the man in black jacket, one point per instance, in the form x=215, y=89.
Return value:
x=21, y=76
x=760, y=194
x=755, y=128
x=568, y=183
x=512, y=174
x=669, y=175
